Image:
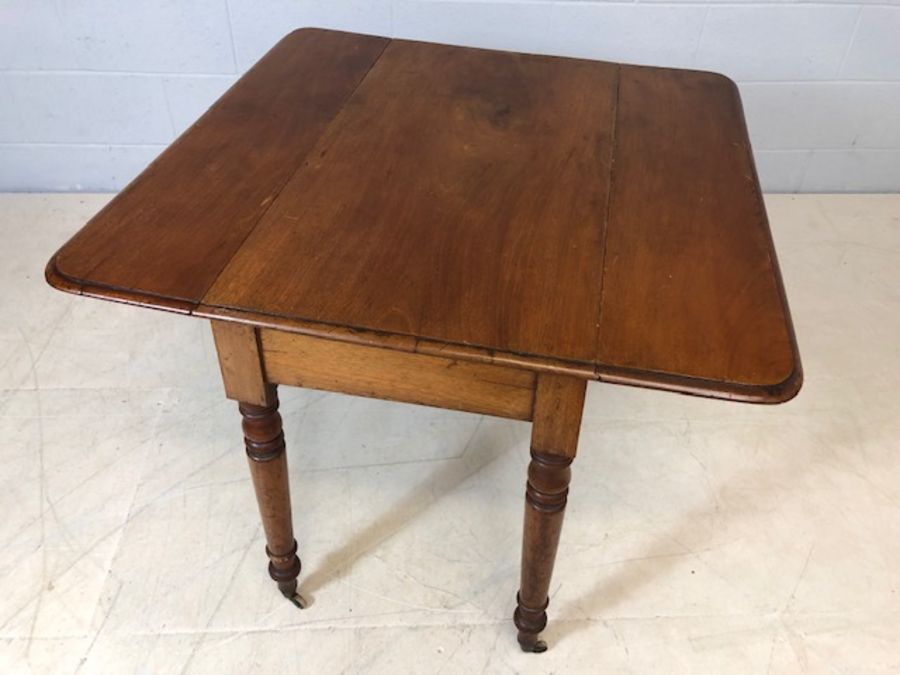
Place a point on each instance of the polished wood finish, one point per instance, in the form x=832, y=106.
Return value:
x=554, y=439
x=587, y=217
x=314, y=363
x=166, y=237
x=477, y=230
x=460, y=197
x=690, y=282
x=264, y=442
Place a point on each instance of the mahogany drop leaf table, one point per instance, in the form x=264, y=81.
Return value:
x=476, y=230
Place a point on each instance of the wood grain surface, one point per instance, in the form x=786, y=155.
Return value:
x=690, y=281
x=459, y=196
x=558, y=403
x=168, y=235
x=392, y=375
x=240, y=361
x=603, y=219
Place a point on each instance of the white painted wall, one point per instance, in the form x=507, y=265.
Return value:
x=92, y=90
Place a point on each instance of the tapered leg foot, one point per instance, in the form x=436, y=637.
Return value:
x=558, y=404
x=530, y=621
x=531, y=643
x=545, y=503
x=264, y=441
x=284, y=569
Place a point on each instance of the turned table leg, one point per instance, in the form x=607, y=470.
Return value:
x=264, y=440
x=242, y=374
x=557, y=417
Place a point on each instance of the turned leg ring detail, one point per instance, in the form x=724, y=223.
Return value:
x=264, y=442
x=545, y=501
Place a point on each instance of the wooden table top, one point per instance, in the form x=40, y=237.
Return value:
x=592, y=218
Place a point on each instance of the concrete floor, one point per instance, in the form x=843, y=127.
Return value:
x=701, y=536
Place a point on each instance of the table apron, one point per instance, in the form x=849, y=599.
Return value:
x=305, y=361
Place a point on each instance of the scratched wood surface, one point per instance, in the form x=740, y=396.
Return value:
x=536, y=209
